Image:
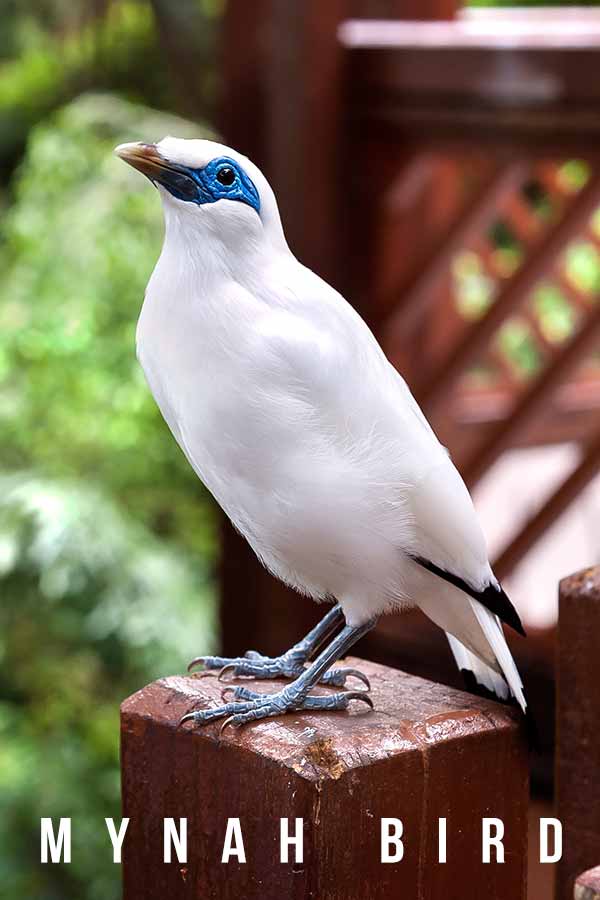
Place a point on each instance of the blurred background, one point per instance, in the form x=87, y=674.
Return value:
x=449, y=186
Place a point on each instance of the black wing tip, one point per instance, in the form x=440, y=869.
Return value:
x=496, y=600
x=493, y=597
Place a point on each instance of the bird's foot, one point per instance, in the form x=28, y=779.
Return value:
x=288, y=665
x=250, y=705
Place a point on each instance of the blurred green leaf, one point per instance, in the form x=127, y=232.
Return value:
x=100, y=607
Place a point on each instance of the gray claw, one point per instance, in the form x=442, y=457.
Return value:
x=360, y=695
x=361, y=677
x=196, y=662
x=231, y=666
x=228, y=721
x=338, y=677
x=187, y=718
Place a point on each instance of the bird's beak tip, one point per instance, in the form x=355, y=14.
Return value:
x=144, y=157
x=135, y=150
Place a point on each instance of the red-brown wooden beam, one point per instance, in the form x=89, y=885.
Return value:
x=456, y=82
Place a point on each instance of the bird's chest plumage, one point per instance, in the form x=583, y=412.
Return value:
x=213, y=383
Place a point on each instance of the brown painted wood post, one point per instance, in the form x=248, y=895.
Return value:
x=578, y=715
x=587, y=886
x=426, y=752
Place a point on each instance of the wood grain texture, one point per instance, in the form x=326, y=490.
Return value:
x=578, y=714
x=426, y=751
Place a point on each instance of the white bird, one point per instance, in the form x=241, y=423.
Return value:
x=288, y=410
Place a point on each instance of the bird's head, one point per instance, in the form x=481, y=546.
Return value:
x=208, y=191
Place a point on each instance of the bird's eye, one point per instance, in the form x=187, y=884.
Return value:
x=226, y=176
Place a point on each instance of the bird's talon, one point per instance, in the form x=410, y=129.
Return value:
x=360, y=695
x=187, y=718
x=360, y=676
x=230, y=720
x=198, y=660
x=231, y=667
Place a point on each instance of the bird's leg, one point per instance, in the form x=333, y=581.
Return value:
x=293, y=696
x=289, y=664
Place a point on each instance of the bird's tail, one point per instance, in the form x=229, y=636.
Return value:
x=503, y=679
x=478, y=676
x=482, y=679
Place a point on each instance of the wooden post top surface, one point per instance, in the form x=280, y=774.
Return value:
x=585, y=583
x=410, y=714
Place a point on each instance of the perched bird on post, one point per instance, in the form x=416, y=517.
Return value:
x=289, y=412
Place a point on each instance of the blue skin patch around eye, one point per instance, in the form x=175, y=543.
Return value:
x=202, y=185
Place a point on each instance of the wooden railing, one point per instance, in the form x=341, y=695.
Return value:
x=490, y=121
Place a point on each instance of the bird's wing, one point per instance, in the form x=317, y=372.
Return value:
x=467, y=601
x=447, y=532
x=450, y=544
x=411, y=405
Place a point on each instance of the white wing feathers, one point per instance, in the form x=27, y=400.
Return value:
x=449, y=536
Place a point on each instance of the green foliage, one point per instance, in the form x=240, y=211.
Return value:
x=48, y=71
x=93, y=605
x=100, y=607
x=48, y=60
x=79, y=246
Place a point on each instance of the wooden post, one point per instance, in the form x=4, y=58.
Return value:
x=578, y=714
x=426, y=752
x=587, y=886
